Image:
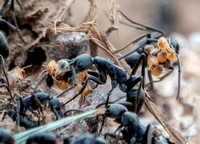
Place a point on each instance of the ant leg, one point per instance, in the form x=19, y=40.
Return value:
x=147, y=41
x=3, y=68
x=150, y=80
x=142, y=27
x=20, y=5
x=114, y=85
x=148, y=135
x=34, y=113
x=18, y=112
x=15, y=21
x=56, y=113
x=82, y=89
x=142, y=60
x=74, y=81
x=4, y=7
x=140, y=100
x=102, y=124
x=118, y=128
x=113, y=135
x=131, y=82
x=118, y=136
x=8, y=89
x=82, y=101
x=179, y=77
x=128, y=54
x=97, y=80
x=161, y=78
x=39, y=82
x=4, y=115
x=133, y=41
x=70, y=110
x=9, y=24
x=93, y=73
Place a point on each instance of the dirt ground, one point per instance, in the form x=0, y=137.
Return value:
x=38, y=50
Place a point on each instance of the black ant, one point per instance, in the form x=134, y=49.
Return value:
x=158, y=57
x=52, y=139
x=35, y=101
x=42, y=138
x=31, y=103
x=6, y=137
x=21, y=119
x=130, y=127
x=134, y=102
x=104, y=67
x=88, y=139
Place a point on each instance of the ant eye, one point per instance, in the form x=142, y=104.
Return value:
x=80, y=65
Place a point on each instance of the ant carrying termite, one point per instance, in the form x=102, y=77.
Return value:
x=159, y=57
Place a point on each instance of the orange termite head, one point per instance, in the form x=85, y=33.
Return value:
x=18, y=72
x=51, y=67
x=156, y=70
x=163, y=44
x=32, y=117
x=148, y=49
x=162, y=56
x=152, y=60
x=171, y=54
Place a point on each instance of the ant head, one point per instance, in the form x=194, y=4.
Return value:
x=115, y=111
x=82, y=62
x=6, y=137
x=156, y=70
x=51, y=67
x=162, y=43
x=42, y=96
x=42, y=138
x=86, y=138
x=18, y=72
x=149, y=49
x=67, y=139
x=100, y=141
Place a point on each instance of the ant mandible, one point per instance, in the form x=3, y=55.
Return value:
x=158, y=57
